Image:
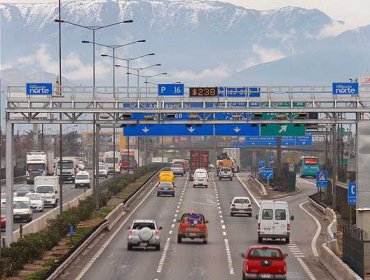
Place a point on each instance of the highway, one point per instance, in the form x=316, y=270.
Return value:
x=228, y=237
x=69, y=193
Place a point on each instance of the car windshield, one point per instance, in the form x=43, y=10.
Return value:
x=44, y=189
x=265, y=253
x=176, y=165
x=242, y=200
x=165, y=185
x=82, y=177
x=192, y=218
x=23, y=189
x=110, y=160
x=67, y=164
x=20, y=204
x=225, y=169
x=200, y=174
x=33, y=196
x=143, y=225
x=36, y=167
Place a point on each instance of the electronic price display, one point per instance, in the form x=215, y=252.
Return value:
x=203, y=91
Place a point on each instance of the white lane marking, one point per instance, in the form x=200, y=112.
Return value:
x=175, y=215
x=250, y=193
x=222, y=221
x=105, y=245
x=163, y=257
x=306, y=269
x=170, y=232
x=314, y=240
x=223, y=226
x=174, y=220
x=173, y=225
x=177, y=211
x=229, y=259
x=224, y=233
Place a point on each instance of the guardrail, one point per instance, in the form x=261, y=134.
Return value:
x=110, y=220
x=16, y=180
x=261, y=188
x=316, y=205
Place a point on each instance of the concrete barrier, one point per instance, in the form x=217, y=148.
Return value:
x=331, y=236
x=114, y=216
x=261, y=188
x=42, y=222
x=335, y=265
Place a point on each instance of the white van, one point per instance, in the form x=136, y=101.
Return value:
x=274, y=220
x=200, y=178
x=22, y=209
x=83, y=180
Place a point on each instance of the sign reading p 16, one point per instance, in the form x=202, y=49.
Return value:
x=171, y=89
x=345, y=88
x=39, y=89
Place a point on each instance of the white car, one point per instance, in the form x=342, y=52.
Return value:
x=241, y=205
x=200, y=178
x=103, y=170
x=144, y=233
x=37, y=202
x=82, y=180
x=22, y=211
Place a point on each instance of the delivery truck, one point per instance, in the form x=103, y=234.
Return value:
x=39, y=163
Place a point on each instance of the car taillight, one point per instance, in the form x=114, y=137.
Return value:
x=259, y=226
x=130, y=232
x=157, y=232
x=288, y=226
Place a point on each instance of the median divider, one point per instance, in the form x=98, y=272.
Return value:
x=261, y=188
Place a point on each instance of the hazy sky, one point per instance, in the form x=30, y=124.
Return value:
x=353, y=12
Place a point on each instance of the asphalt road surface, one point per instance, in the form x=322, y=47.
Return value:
x=228, y=237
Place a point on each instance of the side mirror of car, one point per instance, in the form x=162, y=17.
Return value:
x=292, y=217
x=256, y=217
x=56, y=191
x=242, y=255
x=160, y=228
x=285, y=255
x=207, y=222
x=128, y=227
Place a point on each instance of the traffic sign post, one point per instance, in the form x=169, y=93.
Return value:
x=322, y=179
x=271, y=159
x=283, y=130
x=171, y=89
x=261, y=166
x=352, y=191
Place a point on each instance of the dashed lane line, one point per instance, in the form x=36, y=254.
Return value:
x=164, y=254
x=306, y=269
x=314, y=240
x=229, y=259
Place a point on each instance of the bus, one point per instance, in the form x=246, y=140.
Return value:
x=308, y=166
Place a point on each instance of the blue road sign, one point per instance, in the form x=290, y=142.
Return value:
x=232, y=91
x=352, y=191
x=271, y=159
x=168, y=130
x=261, y=166
x=39, y=89
x=231, y=116
x=171, y=89
x=322, y=178
x=260, y=141
x=345, y=88
x=268, y=173
x=254, y=92
x=236, y=129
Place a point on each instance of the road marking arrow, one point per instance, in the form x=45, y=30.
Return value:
x=145, y=129
x=237, y=129
x=283, y=128
x=191, y=129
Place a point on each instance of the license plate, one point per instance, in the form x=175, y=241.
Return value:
x=17, y=217
x=192, y=234
x=265, y=276
x=142, y=244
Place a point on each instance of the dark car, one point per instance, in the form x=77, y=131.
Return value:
x=22, y=190
x=166, y=188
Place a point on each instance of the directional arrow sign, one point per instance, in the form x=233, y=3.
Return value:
x=283, y=130
x=168, y=130
x=235, y=130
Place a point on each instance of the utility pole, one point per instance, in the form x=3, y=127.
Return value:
x=278, y=160
x=334, y=164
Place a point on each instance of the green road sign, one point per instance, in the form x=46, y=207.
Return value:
x=283, y=130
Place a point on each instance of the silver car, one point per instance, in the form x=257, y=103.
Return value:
x=225, y=173
x=144, y=233
x=177, y=169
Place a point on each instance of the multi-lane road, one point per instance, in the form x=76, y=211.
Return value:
x=228, y=237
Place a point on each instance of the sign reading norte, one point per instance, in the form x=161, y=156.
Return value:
x=39, y=89
x=345, y=88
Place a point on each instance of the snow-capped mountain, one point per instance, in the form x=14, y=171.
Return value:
x=197, y=42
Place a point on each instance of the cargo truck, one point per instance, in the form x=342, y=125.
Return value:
x=69, y=168
x=199, y=159
x=109, y=159
x=234, y=155
x=48, y=188
x=39, y=163
x=128, y=160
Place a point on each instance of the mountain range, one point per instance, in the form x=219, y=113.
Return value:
x=197, y=42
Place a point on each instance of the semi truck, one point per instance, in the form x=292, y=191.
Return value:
x=69, y=168
x=199, y=159
x=109, y=158
x=39, y=163
x=128, y=159
x=234, y=155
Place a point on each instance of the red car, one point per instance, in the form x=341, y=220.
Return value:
x=264, y=262
x=3, y=221
x=193, y=226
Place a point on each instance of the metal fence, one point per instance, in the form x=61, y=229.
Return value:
x=354, y=240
